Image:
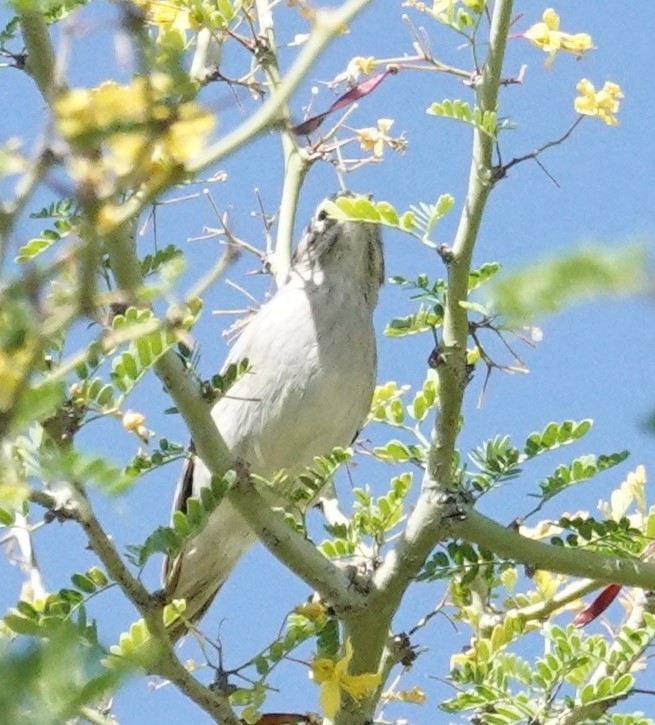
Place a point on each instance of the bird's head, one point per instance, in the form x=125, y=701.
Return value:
x=336, y=249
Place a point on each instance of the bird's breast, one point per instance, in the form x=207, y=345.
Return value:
x=309, y=385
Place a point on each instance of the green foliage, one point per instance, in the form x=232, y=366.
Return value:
x=611, y=537
x=222, y=383
x=322, y=471
x=485, y=121
x=508, y=690
x=54, y=464
x=95, y=393
x=592, y=272
x=499, y=461
x=37, y=403
x=152, y=263
x=581, y=469
x=419, y=220
x=47, y=681
x=64, y=609
x=58, y=209
x=375, y=517
x=9, y=32
x=478, y=277
x=131, y=365
x=145, y=461
x=396, y=451
x=555, y=435
x=137, y=648
x=387, y=405
x=54, y=11
x=458, y=18
x=426, y=399
x=424, y=290
x=462, y=563
x=64, y=214
x=184, y=526
x=423, y=320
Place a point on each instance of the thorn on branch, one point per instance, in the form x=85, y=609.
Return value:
x=67, y=511
x=445, y=252
x=436, y=358
x=402, y=649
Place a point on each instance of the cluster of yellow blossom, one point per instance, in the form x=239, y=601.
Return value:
x=167, y=15
x=182, y=15
x=133, y=133
x=374, y=138
x=415, y=696
x=547, y=35
x=603, y=103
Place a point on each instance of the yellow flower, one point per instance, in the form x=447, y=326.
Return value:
x=166, y=15
x=15, y=364
x=334, y=679
x=547, y=36
x=375, y=138
x=311, y=610
x=141, y=130
x=360, y=65
x=416, y=696
x=603, y=103
x=132, y=421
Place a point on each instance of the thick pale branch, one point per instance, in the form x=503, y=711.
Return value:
x=77, y=508
x=40, y=53
x=299, y=554
x=510, y=544
x=296, y=161
x=428, y=523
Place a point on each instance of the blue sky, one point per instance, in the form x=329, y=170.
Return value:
x=595, y=361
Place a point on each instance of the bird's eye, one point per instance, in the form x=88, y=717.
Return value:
x=322, y=215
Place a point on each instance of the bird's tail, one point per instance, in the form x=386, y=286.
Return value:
x=197, y=573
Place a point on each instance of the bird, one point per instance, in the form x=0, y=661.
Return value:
x=312, y=366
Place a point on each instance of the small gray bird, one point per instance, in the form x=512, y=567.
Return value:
x=312, y=371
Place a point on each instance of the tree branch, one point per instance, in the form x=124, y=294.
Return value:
x=40, y=53
x=77, y=508
x=297, y=553
x=429, y=522
x=296, y=159
x=510, y=544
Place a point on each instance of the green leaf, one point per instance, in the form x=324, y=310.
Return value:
x=590, y=273
x=478, y=277
x=555, y=435
x=424, y=320
x=83, y=583
x=485, y=121
x=151, y=263
x=394, y=452
x=581, y=469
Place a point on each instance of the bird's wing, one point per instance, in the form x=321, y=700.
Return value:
x=183, y=491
